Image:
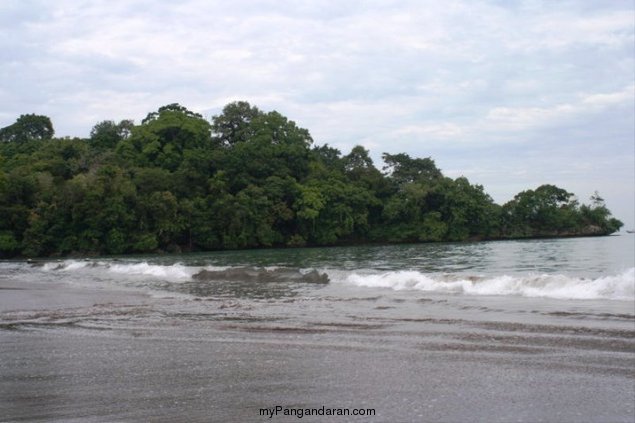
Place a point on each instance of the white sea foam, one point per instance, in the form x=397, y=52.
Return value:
x=616, y=287
x=66, y=265
x=173, y=273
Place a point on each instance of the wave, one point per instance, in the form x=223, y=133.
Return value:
x=179, y=272
x=617, y=287
x=173, y=273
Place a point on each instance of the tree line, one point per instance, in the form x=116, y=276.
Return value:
x=245, y=179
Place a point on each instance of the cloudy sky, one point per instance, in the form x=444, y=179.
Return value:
x=511, y=94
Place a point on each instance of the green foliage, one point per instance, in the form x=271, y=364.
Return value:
x=107, y=134
x=247, y=179
x=404, y=169
x=552, y=211
x=597, y=218
x=27, y=128
x=433, y=227
x=144, y=243
x=8, y=244
x=163, y=136
x=233, y=125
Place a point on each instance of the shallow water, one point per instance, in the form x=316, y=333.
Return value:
x=452, y=332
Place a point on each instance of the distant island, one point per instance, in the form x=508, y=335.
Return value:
x=177, y=182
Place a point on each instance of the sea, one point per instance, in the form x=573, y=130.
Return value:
x=557, y=315
x=572, y=277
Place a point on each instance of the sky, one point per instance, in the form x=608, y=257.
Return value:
x=511, y=94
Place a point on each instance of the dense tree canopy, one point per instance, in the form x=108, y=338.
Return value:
x=28, y=127
x=248, y=178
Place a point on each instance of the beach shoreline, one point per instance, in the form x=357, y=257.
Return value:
x=23, y=295
x=79, y=354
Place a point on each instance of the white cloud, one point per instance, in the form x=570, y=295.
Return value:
x=436, y=130
x=461, y=80
x=627, y=95
x=524, y=118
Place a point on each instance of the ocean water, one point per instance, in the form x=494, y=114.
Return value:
x=549, y=321
x=590, y=279
x=566, y=269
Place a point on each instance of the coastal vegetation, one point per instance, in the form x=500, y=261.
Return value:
x=245, y=179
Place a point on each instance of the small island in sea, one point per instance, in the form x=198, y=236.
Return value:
x=177, y=182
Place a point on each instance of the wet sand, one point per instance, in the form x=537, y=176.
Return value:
x=71, y=354
x=15, y=296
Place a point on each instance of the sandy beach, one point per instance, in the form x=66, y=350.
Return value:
x=71, y=354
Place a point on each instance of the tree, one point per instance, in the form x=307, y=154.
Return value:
x=62, y=158
x=357, y=160
x=172, y=108
x=232, y=126
x=248, y=179
x=546, y=210
x=329, y=157
x=468, y=211
x=28, y=127
x=276, y=147
x=106, y=134
x=597, y=216
x=163, y=136
x=404, y=169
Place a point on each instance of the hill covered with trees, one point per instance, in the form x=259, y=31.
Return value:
x=245, y=179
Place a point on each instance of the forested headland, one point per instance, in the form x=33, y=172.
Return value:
x=246, y=179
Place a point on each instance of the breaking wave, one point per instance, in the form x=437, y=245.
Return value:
x=614, y=287
x=173, y=273
x=617, y=287
x=180, y=273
